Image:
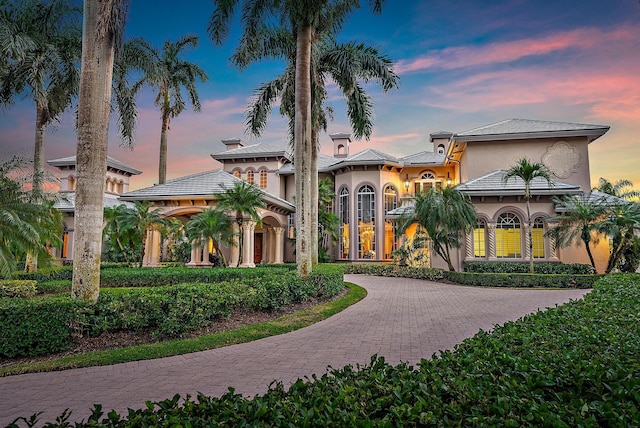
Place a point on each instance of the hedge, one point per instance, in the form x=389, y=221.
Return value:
x=574, y=365
x=394, y=271
x=523, y=267
x=521, y=280
x=17, y=288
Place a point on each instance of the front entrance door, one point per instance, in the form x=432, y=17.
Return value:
x=257, y=248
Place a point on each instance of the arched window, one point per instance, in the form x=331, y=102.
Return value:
x=343, y=214
x=426, y=182
x=508, y=236
x=480, y=239
x=441, y=149
x=237, y=174
x=263, y=178
x=251, y=177
x=366, y=222
x=537, y=238
x=390, y=203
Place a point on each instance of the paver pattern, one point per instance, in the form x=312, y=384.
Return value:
x=400, y=319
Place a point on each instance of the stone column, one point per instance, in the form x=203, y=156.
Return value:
x=247, y=244
x=193, y=262
x=468, y=241
x=152, y=249
x=551, y=242
x=272, y=246
x=235, y=248
x=205, y=253
x=265, y=244
x=70, y=244
x=491, y=237
x=279, y=245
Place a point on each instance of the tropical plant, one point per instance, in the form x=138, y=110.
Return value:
x=621, y=188
x=40, y=43
x=242, y=199
x=307, y=19
x=621, y=224
x=445, y=214
x=167, y=73
x=26, y=226
x=127, y=243
x=578, y=221
x=211, y=225
x=528, y=171
x=103, y=26
x=328, y=222
x=139, y=220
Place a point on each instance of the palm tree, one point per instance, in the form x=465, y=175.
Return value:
x=25, y=225
x=445, y=214
x=128, y=243
x=103, y=26
x=211, y=225
x=328, y=222
x=620, y=224
x=528, y=171
x=578, y=221
x=242, y=199
x=139, y=220
x=167, y=74
x=40, y=42
x=344, y=64
x=620, y=189
x=307, y=18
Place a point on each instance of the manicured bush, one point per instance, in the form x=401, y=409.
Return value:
x=17, y=288
x=521, y=280
x=574, y=365
x=394, y=271
x=59, y=273
x=523, y=267
x=37, y=326
x=54, y=287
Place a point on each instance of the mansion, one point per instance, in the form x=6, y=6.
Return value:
x=373, y=188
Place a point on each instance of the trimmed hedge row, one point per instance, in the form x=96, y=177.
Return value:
x=17, y=288
x=526, y=280
x=574, y=365
x=165, y=311
x=394, y=271
x=523, y=267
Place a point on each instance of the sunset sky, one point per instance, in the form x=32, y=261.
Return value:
x=462, y=64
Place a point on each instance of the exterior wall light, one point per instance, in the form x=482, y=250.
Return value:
x=449, y=180
x=406, y=183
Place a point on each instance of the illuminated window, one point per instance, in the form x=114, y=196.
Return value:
x=251, y=177
x=263, y=178
x=480, y=239
x=508, y=236
x=343, y=214
x=426, y=182
x=237, y=174
x=390, y=203
x=291, y=226
x=366, y=223
x=537, y=238
x=65, y=243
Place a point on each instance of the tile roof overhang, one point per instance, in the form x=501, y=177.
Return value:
x=255, y=151
x=111, y=163
x=66, y=202
x=493, y=184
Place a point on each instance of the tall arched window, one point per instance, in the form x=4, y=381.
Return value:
x=480, y=239
x=508, y=236
x=390, y=203
x=263, y=178
x=251, y=177
x=537, y=238
x=366, y=222
x=343, y=214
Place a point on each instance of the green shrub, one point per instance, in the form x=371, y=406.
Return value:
x=394, y=271
x=523, y=267
x=54, y=274
x=521, y=280
x=54, y=287
x=36, y=326
x=17, y=288
x=574, y=365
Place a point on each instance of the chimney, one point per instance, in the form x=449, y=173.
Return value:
x=233, y=143
x=340, y=144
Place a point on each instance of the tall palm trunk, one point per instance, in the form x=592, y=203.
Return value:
x=302, y=149
x=91, y=158
x=162, y=168
x=314, y=196
x=529, y=231
x=31, y=263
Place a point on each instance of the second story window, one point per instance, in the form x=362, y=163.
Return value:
x=263, y=178
x=251, y=177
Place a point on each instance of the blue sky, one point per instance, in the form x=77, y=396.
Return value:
x=461, y=63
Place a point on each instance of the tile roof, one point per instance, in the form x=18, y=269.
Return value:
x=66, y=202
x=526, y=128
x=111, y=162
x=493, y=184
x=424, y=158
x=254, y=150
x=325, y=162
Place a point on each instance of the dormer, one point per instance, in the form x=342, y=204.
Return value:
x=233, y=143
x=440, y=140
x=340, y=144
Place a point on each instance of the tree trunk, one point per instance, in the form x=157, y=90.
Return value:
x=91, y=158
x=162, y=168
x=314, y=197
x=529, y=231
x=593, y=263
x=144, y=245
x=302, y=150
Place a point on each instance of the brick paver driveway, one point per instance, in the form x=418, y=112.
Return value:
x=400, y=319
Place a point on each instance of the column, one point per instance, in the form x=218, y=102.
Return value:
x=272, y=246
x=468, y=240
x=279, y=245
x=205, y=253
x=491, y=237
x=70, y=244
x=553, y=254
x=247, y=244
x=152, y=249
x=266, y=244
x=235, y=248
x=193, y=261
